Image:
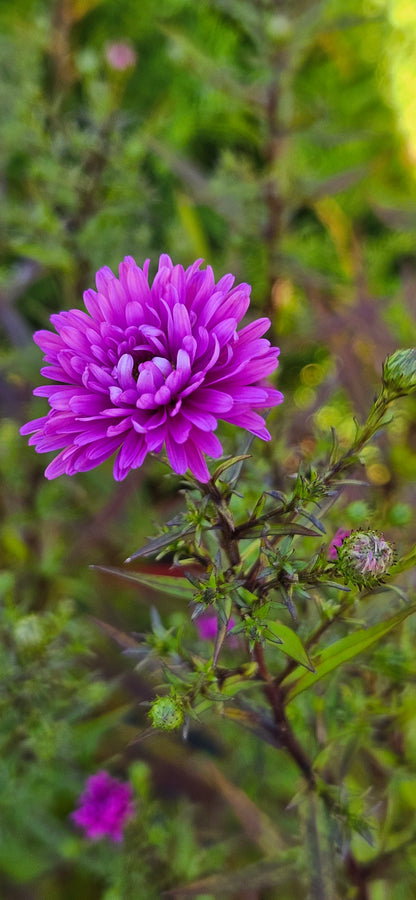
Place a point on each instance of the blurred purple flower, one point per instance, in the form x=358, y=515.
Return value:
x=152, y=365
x=336, y=542
x=105, y=806
x=120, y=56
x=207, y=627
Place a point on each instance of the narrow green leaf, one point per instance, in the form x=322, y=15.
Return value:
x=334, y=584
x=165, y=584
x=315, y=521
x=294, y=529
x=291, y=643
x=126, y=641
x=290, y=529
x=156, y=544
x=342, y=651
x=227, y=464
x=236, y=684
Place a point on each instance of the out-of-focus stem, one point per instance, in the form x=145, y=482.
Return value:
x=287, y=737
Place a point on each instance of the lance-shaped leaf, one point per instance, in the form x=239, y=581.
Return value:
x=126, y=641
x=165, y=584
x=160, y=543
x=341, y=652
x=315, y=521
x=235, y=682
x=291, y=529
x=291, y=643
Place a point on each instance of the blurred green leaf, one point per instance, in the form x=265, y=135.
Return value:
x=341, y=652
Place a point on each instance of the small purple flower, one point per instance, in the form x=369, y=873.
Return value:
x=152, y=365
x=105, y=807
x=336, y=542
x=207, y=627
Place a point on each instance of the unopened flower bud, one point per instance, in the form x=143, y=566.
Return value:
x=167, y=713
x=364, y=557
x=399, y=371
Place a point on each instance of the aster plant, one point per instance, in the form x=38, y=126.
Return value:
x=155, y=368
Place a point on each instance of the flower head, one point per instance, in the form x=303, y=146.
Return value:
x=364, y=557
x=105, y=807
x=152, y=365
x=336, y=542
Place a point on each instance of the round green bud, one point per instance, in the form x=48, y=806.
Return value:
x=399, y=371
x=167, y=713
x=279, y=28
x=364, y=557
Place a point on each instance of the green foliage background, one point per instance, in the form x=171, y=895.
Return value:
x=275, y=140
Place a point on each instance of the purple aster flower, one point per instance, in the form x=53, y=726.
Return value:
x=105, y=806
x=152, y=365
x=207, y=627
x=336, y=542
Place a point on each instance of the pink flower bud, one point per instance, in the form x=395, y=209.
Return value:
x=120, y=56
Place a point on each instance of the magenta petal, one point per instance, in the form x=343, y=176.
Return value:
x=34, y=425
x=196, y=462
x=207, y=442
x=213, y=401
x=203, y=420
x=177, y=456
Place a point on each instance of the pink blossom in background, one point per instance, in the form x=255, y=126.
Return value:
x=207, y=627
x=152, y=365
x=336, y=542
x=120, y=55
x=105, y=806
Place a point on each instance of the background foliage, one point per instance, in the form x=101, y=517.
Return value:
x=275, y=140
